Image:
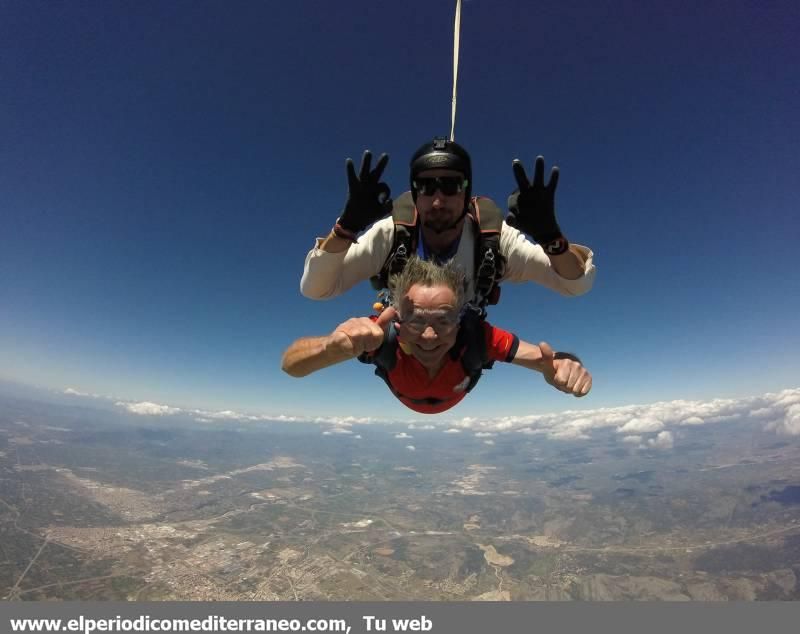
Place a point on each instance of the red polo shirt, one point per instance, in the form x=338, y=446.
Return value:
x=414, y=387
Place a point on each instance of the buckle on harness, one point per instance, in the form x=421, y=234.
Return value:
x=487, y=268
x=485, y=284
x=471, y=308
x=394, y=265
x=399, y=260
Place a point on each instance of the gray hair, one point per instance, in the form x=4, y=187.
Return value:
x=428, y=274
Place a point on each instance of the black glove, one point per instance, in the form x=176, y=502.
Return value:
x=368, y=199
x=531, y=208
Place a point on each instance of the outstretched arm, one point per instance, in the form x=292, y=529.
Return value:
x=532, y=210
x=310, y=354
x=565, y=374
x=329, y=271
x=340, y=260
x=350, y=339
x=570, y=265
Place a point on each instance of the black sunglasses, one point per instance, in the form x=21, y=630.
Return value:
x=448, y=185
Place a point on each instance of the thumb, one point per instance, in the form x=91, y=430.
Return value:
x=548, y=359
x=387, y=316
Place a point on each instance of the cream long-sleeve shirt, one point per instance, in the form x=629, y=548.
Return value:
x=327, y=275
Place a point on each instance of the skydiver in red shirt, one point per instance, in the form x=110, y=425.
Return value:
x=428, y=347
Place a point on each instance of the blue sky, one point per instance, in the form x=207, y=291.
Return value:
x=165, y=167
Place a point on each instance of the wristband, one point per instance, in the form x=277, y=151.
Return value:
x=344, y=234
x=557, y=246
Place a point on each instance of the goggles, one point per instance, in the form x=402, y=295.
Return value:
x=448, y=185
x=441, y=324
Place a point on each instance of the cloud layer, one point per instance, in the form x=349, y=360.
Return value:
x=652, y=426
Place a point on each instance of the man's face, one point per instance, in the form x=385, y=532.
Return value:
x=429, y=322
x=437, y=210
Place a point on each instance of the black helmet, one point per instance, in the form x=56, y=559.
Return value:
x=442, y=154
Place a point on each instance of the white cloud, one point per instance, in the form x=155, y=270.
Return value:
x=790, y=425
x=341, y=430
x=569, y=433
x=488, y=442
x=613, y=418
x=411, y=447
x=642, y=425
x=73, y=392
x=787, y=398
x=403, y=435
x=633, y=440
x=644, y=419
x=146, y=408
x=774, y=412
x=664, y=440
x=724, y=418
x=227, y=415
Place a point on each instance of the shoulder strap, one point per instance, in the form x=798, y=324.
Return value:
x=488, y=215
x=489, y=262
x=404, y=216
x=472, y=339
x=385, y=357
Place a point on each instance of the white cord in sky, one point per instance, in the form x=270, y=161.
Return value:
x=455, y=69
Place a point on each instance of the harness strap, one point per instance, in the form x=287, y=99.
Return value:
x=475, y=357
x=470, y=345
x=490, y=265
x=489, y=262
x=405, y=218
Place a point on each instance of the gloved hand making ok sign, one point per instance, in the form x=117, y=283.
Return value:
x=368, y=198
x=531, y=207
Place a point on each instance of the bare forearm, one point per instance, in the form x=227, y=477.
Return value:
x=570, y=265
x=563, y=371
x=529, y=356
x=334, y=244
x=310, y=354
